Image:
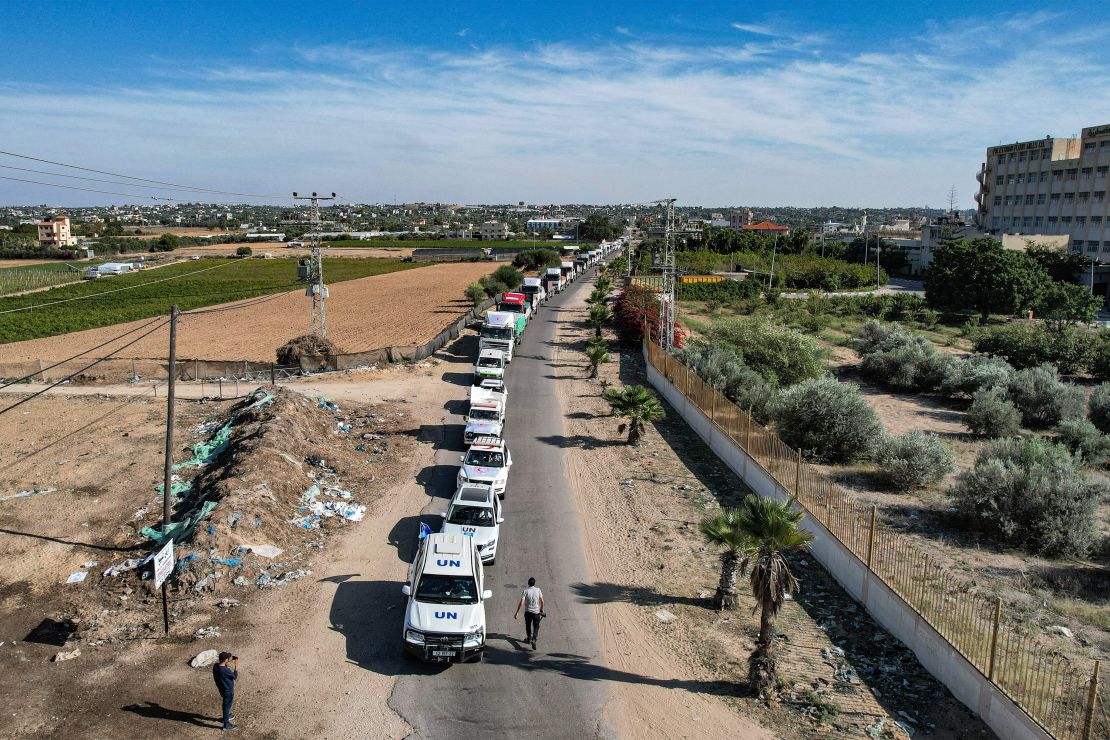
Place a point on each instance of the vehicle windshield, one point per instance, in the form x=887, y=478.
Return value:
x=483, y=414
x=489, y=362
x=485, y=458
x=511, y=307
x=497, y=332
x=438, y=589
x=473, y=516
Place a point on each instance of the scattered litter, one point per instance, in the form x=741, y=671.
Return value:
x=905, y=728
x=665, y=616
x=344, y=427
x=126, y=565
x=59, y=657
x=76, y=577
x=264, y=581
x=368, y=435
x=90, y=563
x=876, y=730
x=627, y=482
x=27, y=494
x=847, y=675
x=327, y=405
x=205, y=632
x=266, y=551
x=241, y=581
x=205, y=658
x=359, y=447
x=227, y=603
x=1057, y=629
x=179, y=531
x=205, y=452
x=703, y=594
x=139, y=513
x=229, y=562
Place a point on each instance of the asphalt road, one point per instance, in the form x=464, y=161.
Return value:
x=555, y=691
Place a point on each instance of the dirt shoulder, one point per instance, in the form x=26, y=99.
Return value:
x=844, y=675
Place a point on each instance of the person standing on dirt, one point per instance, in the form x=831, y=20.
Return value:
x=532, y=603
x=225, y=676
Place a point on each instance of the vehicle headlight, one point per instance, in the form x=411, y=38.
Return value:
x=416, y=638
x=491, y=544
x=473, y=639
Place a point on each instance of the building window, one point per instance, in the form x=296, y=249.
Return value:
x=1093, y=248
x=1010, y=158
x=1040, y=198
x=1081, y=220
x=1021, y=179
x=1101, y=171
x=1055, y=196
x=1096, y=220
x=1021, y=156
x=1029, y=200
x=1099, y=195
x=1046, y=154
x=1084, y=195
x=1069, y=196
x=1072, y=172
x=1065, y=220
x=1089, y=145
x=1038, y=221
x=1057, y=175
x=1044, y=176
x=998, y=200
x=1009, y=179
x=999, y=180
x=1009, y=200
x=1052, y=219
x=1085, y=173
x=1027, y=221
x=1104, y=144
x=994, y=222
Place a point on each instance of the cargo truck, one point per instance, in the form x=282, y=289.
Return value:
x=516, y=304
x=445, y=617
x=499, y=332
x=533, y=288
x=554, y=282
x=486, y=417
x=567, y=268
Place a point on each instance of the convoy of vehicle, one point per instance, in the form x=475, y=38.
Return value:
x=445, y=619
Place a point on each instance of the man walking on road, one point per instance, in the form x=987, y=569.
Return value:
x=532, y=603
x=225, y=677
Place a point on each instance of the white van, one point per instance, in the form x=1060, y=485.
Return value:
x=490, y=364
x=445, y=620
x=475, y=512
x=486, y=462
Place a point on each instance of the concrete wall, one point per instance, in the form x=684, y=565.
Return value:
x=938, y=657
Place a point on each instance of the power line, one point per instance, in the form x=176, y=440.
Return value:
x=94, y=363
x=87, y=190
x=144, y=179
x=74, y=357
x=88, y=179
x=117, y=290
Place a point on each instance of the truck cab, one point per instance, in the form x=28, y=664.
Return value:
x=554, y=280
x=486, y=417
x=486, y=462
x=490, y=364
x=475, y=512
x=567, y=268
x=515, y=303
x=581, y=265
x=499, y=332
x=533, y=288
x=445, y=618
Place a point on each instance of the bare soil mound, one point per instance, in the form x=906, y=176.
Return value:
x=263, y=493
x=308, y=345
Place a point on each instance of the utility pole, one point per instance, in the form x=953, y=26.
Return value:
x=316, y=290
x=952, y=200
x=878, y=250
x=167, y=472
x=667, y=294
x=774, y=251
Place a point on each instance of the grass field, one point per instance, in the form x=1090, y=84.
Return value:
x=32, y=277
x=443, y=244
x=190, y=284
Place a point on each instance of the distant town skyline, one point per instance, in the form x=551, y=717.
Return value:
x=813, y=105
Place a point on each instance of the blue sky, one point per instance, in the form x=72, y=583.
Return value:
x=879, y=104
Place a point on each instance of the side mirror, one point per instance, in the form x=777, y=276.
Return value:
x=462, y=458
x=499, y=519
x=487, y=595
x=406, y=590
x=443, y=514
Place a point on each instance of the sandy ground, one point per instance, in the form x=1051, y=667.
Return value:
x=401, y=308
x=24, y=263
x=640, y=507
x=283, y=250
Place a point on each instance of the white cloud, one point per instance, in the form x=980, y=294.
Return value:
x=462, y=33
x=756, y=28
x=623, y=30
x=781, y=120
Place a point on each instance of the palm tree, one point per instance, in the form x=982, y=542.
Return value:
x=600, y=314
x=605, y=285
x=596, y=298
x=773, y=529
x=637, y=404
x=598, y=355
x=722, y=529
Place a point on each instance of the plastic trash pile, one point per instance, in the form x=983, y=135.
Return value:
x=335, y=501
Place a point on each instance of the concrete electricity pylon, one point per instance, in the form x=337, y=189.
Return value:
x=316, y=290
x=667, y=294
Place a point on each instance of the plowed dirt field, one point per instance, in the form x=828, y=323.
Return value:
x=400, y=308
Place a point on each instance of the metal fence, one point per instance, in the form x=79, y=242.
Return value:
x=1060, y=695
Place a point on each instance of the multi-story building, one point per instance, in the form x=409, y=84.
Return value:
x=1051, y=187
x=54, y=232
x=491, y=230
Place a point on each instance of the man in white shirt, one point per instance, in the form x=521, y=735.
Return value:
x=532, y=603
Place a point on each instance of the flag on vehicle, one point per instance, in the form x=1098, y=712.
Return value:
x=425, y=530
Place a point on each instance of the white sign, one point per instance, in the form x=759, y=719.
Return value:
x=163, y=564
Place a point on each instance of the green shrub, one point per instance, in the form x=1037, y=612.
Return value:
x=1098, y=408
x=976, y=372
x=828, y=420
x=722, y=368
x=876, y=336
x=900, y=359
x=1098, y=358
x=781, y=356
x=1084, y=440
x=913, y=460
x=475, y=293
x=724, y=290
x=537, y=259
x=1028, y=345
x=243, y=251
x=1042, y=399
x=508, y=275
x=1028, y=493
x=992, y=414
